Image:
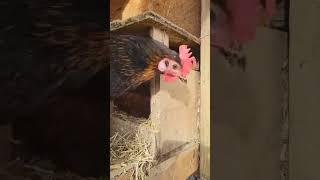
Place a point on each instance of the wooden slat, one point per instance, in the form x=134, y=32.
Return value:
x=205, y=91
x=160, y=36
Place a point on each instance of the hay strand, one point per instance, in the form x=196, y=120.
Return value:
x=133, y=147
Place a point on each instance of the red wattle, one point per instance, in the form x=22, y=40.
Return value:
x=169, y=78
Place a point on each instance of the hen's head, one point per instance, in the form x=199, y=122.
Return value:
x=178, y=67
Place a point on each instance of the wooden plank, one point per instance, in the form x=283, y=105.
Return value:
x=160, y=36
x=141, y=23
x=304, y=97
x=247, y=110
x=205, y=91
x=180, y=165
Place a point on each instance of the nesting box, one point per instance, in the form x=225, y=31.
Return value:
x=171, y=126
x=183, y=13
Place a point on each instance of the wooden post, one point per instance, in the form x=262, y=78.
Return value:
x=160, y=36
x=205, y=91
x=304, y=87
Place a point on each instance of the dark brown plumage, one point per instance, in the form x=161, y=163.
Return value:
x=47, y=45
x=51, y=51
x=134, y=60
x=136, y=102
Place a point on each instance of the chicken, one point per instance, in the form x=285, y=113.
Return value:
x=135, y=60
x=48, y=46
x=50, y=51
x=56, y=45
x=136, y=102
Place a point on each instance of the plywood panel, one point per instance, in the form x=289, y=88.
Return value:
x=247, y=111
x=179, y=116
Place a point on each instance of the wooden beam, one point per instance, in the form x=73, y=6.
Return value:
x=205, y=91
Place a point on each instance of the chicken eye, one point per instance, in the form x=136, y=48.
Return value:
x=174, y=66
x=166, y=63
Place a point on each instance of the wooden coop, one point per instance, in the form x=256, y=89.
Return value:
x=169, y=124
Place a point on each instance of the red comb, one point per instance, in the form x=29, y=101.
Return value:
x=187, y=61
